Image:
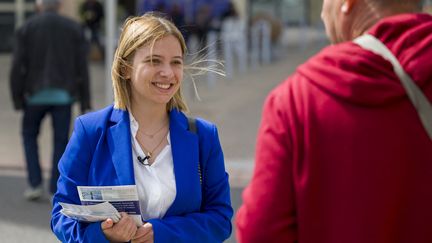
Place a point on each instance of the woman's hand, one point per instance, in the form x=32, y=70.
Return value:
x=144, y=234
x=122, y=231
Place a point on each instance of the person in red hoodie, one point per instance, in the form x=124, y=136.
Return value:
x=342, y=156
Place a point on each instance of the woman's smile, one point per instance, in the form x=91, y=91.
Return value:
x=163, y=86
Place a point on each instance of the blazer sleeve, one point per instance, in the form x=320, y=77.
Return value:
x=74, y=169
x=213, y=222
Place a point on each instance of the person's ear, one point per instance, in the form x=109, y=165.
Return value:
x=347, y=6
x=126, y=72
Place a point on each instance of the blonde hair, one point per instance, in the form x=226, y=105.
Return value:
x=138, y=32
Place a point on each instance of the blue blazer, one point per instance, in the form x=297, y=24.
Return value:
x=99, y=153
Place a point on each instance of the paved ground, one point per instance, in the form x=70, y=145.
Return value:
x=234, y=105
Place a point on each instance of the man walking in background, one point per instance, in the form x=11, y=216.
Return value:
x=49, y=72
x=92, y=13
x=344, y=151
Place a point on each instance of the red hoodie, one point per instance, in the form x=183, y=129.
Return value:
x=342, y=156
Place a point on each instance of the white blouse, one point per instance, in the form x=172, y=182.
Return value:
x=156, y=183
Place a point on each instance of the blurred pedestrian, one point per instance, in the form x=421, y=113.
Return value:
x=49, y=72
x=146, y=140
x=342, y=153
x=203, y=21
x=92, y=13
x=229, y=11
x=176, y=13
x=145, y=6
x=221, y=10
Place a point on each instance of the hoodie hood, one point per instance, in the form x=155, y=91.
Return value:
x=355, y=75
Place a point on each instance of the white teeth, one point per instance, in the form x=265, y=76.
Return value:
x=162, y=86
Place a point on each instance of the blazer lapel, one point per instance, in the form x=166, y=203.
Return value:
x=119, y=143
x=184, y=147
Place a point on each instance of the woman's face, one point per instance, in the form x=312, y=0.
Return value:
x=157, y=74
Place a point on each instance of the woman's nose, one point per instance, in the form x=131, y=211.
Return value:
x=166, y=71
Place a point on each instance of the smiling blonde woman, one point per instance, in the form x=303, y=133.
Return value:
x=146, y=140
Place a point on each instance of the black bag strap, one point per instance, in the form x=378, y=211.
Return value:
x=193, y=129
x=192, y=124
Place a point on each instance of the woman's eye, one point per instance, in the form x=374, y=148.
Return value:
x=177, y=62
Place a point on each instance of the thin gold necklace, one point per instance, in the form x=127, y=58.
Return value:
x=152, y=135
x=150, y=153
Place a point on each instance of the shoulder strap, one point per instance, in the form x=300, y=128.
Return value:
x=192, y=124
x=418, y=99
x=193, y=129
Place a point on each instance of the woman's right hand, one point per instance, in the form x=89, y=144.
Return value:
x=122, y=231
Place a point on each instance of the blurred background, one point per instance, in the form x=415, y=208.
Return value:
x=260, y=42
x=188, y=12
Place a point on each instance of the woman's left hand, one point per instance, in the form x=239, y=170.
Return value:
x=144, y=234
